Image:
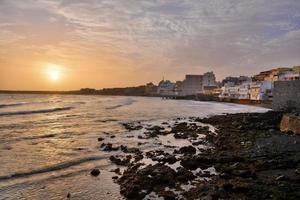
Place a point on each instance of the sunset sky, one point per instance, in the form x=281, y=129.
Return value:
x=70, y=44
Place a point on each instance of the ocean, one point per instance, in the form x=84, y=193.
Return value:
x=49, y=143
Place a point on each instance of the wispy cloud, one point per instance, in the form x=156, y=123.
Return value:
x=170, y=36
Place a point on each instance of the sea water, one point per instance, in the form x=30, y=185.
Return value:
x=48, y=143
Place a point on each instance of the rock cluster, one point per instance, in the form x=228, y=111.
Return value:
x=250, y=159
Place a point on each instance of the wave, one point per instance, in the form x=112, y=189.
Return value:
x=27, y=103
x=11, y=105
x=29, y=112
x=57, y=167
x=126, y=103
x=106, y=120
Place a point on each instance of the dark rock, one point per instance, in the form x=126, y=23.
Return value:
x=132, y=126
x=199, y=161
x=164, y=157
x=108, y=147
x=117, y=171
x=280, y=178
x=186, y=150
x=100, y=139
x=180, y=136
x=118, y=160
x=227, y=187
x=95, y=172
x=200, y=142
x=184, y=175
x=126, y=149
x=167, y=195
x=134, y=181
x=243, y=173
x=155, y=128
x=248, y=153
x=138, y=157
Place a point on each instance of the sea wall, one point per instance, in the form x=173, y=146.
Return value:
x=286, y=96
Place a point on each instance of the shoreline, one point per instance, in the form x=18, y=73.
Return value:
x=267, y=104
x=249, y=158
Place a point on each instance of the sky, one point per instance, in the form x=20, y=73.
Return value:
x=71, y=44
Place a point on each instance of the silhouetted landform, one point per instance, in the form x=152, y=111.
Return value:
x=127, y=91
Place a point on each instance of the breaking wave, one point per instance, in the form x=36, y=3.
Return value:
x=56, y=167
x=26, y=103
x=125, y=103
x=29, y=112
x=12, y=105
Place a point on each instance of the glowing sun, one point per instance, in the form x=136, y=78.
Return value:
x=54, y=72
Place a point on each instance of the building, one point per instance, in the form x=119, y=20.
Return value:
x=196, y=84
x=235, y=80
x=244, y=90
x=178, y=88
x=261, y=90
x=210, y=90
x=288, y=76
x=270, y=75
x=296, y=69
x=230, y=90
x=209, y=79
x=166, y=88
x=191, y=85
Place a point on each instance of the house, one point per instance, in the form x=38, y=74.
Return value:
x=235, y=80
x=288, y=76
x=178, y=88
x=191, y=85
x=261, y=90
x=210, y=90
x=230, y=90
x=236, y=89
x=209, y=79
x=166, y=88
x=244, y=90
x=194, y=84
x=270, y=75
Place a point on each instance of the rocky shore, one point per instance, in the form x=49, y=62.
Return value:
x=246, y=157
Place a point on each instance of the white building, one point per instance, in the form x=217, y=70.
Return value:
x=288, y=76
x=231, y=91
x=244, y=90
x=209, y=79
x=165, y=88
x=261, y=90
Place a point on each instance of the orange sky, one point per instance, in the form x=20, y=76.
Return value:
x=116, y=43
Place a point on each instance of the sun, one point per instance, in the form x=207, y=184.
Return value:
x=54, y=75
x=53, y=72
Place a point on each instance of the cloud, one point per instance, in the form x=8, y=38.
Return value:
x=178, y=36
